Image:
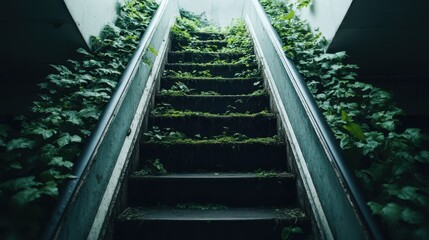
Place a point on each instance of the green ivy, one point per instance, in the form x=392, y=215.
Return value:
x=392, y=165
x=36, y=159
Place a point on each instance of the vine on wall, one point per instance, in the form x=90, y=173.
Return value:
x=38, y=155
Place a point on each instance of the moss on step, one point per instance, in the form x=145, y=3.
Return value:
x=201, y=206
x=223, y=140
x=172, y=113
x=219, y=79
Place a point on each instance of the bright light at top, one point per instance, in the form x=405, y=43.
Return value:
x=220, y=12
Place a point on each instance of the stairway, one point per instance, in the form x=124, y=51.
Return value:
x=211, y=165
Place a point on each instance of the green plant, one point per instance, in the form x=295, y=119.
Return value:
x=193, y=74
x=364, y=119
x=38, y=158
x=178, y=89
x=166, y=134
x=152, y=167
x=289, y=232
x=266, y=174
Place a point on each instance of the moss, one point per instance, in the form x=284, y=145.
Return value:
x=220, y=79
x=172, y=113
x=132, y=214
x=200, y=206
x=223, y=140
x=287, y=213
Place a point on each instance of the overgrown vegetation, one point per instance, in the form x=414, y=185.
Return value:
x=38, y=155
x=392, y=165
x=171, y=136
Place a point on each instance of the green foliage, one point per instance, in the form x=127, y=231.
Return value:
x=152, y=167
x=178, y=89
x=189, y=75
x=290, y=232
x=266, y=174
x=391, y=165
x=37, y=159
x=166, y=134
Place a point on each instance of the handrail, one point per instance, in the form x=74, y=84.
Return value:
x=335, y=151
x=86, y=159
x=324, y=132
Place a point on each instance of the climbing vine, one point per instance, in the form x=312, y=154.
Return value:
x=37, y=153
x=391, y=165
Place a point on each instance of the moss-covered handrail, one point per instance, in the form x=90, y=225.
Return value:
x=110, y=132
x=320, y=128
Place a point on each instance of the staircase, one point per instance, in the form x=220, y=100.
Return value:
x=211, y=165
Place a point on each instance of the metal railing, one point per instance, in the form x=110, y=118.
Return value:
x=344, y=206
x=73, y=216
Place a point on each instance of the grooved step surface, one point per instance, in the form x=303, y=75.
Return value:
x=202, y=57
x=229, y=214
x=223, y=224
x=254, y=189
x=186, y=157
x=224, y=86
x=218, y=44
x=251, y=126
x=220, y=70
x=216, y=104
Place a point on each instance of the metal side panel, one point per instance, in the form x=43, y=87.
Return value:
x=332, y=206
x=80, y=203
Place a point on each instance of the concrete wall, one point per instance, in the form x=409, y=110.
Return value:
x=221, y=12
x=327, y=15
x=91, y=16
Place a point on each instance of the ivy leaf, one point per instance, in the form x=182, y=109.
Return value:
x=375, y=207
x=413, y=134
x=59, y=162
x=391, y=212
x=49, y=151
x=19, y=183
x=20, y=143
x=26, y=196
x=50, y=188
x=355, y=130
x=401, y=168
x=288, y=16
x=411, y=216
x=73, y=117
x=423, y=157
x=15, y=165
x=45, y=133
x=89, y=112
x=83, y=52
x=388, y=125
x=66, y=138
x=54, y=175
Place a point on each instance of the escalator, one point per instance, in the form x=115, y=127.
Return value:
x=225, y=176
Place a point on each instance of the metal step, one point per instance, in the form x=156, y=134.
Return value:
x=264, y=125
x=217, y=70
x=223, y=86
x=216, y=156
x=208, y=224
x=231, y=189
x=203, y=57
x=217, y=104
